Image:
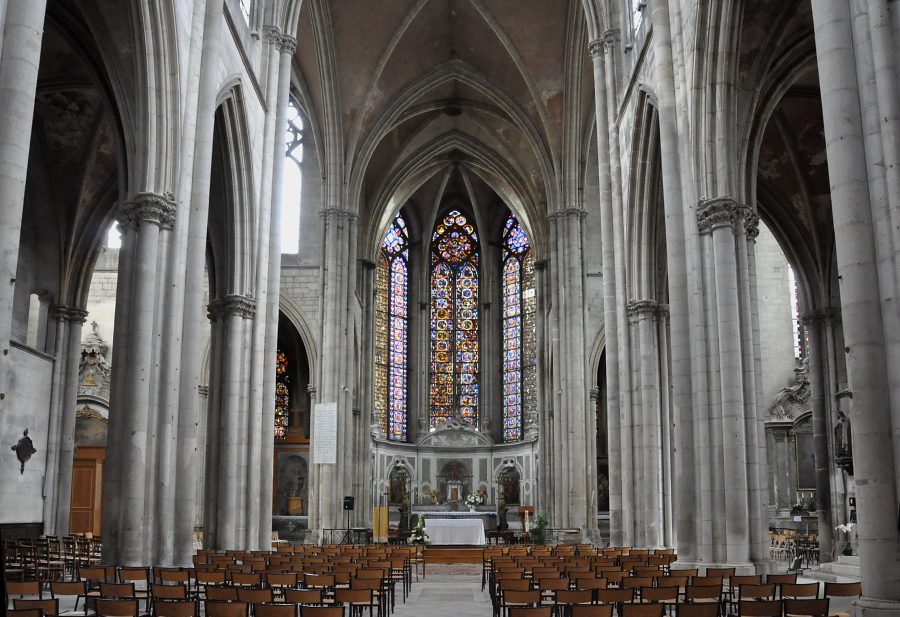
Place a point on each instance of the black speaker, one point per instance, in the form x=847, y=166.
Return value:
x=348, y=502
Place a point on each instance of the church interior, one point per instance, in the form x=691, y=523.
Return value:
x=290, y=286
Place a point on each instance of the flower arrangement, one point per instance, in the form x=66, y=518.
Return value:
x=419, y=534
x=845, y=527
x=846, y=546
x=474, y=499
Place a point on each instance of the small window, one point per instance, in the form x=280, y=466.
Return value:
x=292, y=181
x=636, y=10
x=114, y=237
x=36, y=335
x=246, y=8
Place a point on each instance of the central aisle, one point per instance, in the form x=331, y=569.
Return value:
x=448, y=591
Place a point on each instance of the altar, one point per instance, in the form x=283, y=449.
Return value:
x=466, y=530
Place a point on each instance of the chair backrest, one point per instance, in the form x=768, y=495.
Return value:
x=23, y=588
x=531, y=611
x=683, y=609
x=366, y=583
x=218, y=608
x=607, y=596
x=210, y=577
x=707, y=581
x=255, y=596
x=659, y=594
x=274, y=610
x=765, y=591
x=781, y=579
x=759, y=608
x=517, y=584
x=353, y=596
x=672, y=581
x=514, y=596
x=105, y=607
x=835, y=590
x=67, y=588
x=47, y=607
x=117, y=590
x=173, y=575
x=133, y=574
x=24, y=612
x=303, y=596
x=569, y=596
x=92, y=573
x=693, y=592
x=168, y=592
x=321, y=611
x=806, y=607
x=720, y=572
x=176, y=608
x=318, y=580
x=246, y=578
x=222, y=594
x=553, y=584
x=688, y=572
x=592, y=610
x=286, y=579
x=642, y=610
x=590, y=583
x=752, y=579
x=635, y=582
x=800, y=590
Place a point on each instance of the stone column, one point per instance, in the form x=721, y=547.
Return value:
x=867, y=369
x=814, y=323
x=76, y=318
x=146, y=214
x=213, y=424
x=617, y=502
x=54, y=428
x=21, y=52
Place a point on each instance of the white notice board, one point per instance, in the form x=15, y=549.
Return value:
x=324, y=437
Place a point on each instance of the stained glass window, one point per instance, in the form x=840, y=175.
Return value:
x=454, y=321
x=517, y=279
x=282, y=395
x=392, y=330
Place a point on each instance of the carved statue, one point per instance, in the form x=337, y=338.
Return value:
x=793, y=401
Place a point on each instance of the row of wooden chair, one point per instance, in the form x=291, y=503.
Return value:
x=777, y=608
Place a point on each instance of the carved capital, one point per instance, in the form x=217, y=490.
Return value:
x=577, y=212
x=241, y=306
x=641, y=309
x=596, y=48
x=595, y=394
x=715, y=213
x=68, y=314
x=751, y=224
x=286, y=44
x=662, y=311
x=154, y=208
x=337, y=214
x=820, y=317
x=611, y=37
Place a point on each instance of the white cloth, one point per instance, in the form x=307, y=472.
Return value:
x=455, y=531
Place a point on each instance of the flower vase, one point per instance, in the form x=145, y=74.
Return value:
x=471, y=508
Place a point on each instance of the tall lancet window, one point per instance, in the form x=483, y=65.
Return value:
x=392, y=330
x=454, y=321
x=517, y=274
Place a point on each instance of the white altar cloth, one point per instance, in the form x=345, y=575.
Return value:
x=455, y=531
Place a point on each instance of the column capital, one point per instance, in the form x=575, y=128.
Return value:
x=569, y=212
x=716, y=212
x=641, y=309
x=239, y=305
x=595, y=394
x=541, y=264
x=596, y=48
x=751, y=224
x=69, y=314
x=284, y=43
x=331, y=214
x=820, y=317
x=154, y=208
x=662, y=311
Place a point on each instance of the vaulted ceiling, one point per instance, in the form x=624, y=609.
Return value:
x=407, y=88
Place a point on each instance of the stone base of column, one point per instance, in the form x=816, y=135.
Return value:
x=741, y=568
x=873, y=607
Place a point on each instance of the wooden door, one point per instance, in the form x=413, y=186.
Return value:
x=85, y=514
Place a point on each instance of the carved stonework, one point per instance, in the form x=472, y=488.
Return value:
x=93, y=369
x=154, y=208
x=715, y=213
x=751, y=225
x=455, y=437
x=282, y=42
x=596, y=48
x=641, y=309
x=793, y=401
x=86, y=412
x=24, y=449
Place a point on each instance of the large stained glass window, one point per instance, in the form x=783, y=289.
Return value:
x=454, y=321
x=517, y=276
x=282, y=395
x=392, y=330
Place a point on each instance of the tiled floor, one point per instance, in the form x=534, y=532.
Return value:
x=447, y=591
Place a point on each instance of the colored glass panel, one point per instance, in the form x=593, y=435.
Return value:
x=454, y=321
x=517, y=280
x=282, y=395
x=392, y=331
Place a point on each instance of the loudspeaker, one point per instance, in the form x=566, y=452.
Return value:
x=348, y=502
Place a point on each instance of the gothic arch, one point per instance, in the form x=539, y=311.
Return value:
x=295, y=315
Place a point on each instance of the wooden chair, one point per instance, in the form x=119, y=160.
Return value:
x=592, y=610
x=24, y=612
x=615, y=596
x=765, y=591
x=662, y=595
x=513, y=598
x=533, y=611
x=321, y=611
x=800, y=590
x=222, y=594
x=31, y=589
x=106, y=607
x=842, y=590
x=117, y=591
x=567, y=598
x=759, y=608
x=703, y=594
x=218, y=608
x=255, y=596
x=261, y=609
x=806, y=607
x=307, y=597
x=168, y=592
x=641, y=610
x=68, y=590
x=246, y=579
x=684, y=609
x=140, y=580
x=48, y=606
x=357, y=600
x=782, y=579
x=175, y=608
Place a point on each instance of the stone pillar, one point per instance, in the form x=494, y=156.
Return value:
x=815, y=325
x=21, y=52
x=867, y=364
x=213, y=424
x=617, y=501
x=76, y=318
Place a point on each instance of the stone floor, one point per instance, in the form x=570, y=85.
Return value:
x=446, y=591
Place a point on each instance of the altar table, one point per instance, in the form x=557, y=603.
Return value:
x=456, y=531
